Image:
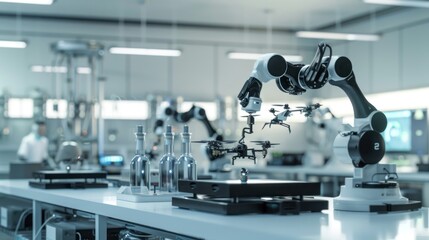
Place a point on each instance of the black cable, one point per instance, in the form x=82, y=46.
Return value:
x=316, y=63
x=387, y=176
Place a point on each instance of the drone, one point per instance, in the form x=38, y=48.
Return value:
x=215, y=149
x=282, y=116
x=308, y=110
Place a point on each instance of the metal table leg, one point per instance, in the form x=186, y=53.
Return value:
x=100, y=227
x=37, y=219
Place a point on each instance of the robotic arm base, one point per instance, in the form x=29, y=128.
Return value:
x=373, y=189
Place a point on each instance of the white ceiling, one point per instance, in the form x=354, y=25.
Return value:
x=284, y=14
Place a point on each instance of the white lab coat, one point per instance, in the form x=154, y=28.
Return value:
x=33, y=148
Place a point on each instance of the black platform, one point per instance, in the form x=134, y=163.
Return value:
x=72, y=179
x=232, y=197
x=384, y=208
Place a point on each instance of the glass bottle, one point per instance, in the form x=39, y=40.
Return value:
x=186, y=166
x=167, y=181
x=140, y=164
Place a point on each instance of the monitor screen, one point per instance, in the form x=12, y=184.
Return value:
x=406, y=132
x=111, y=160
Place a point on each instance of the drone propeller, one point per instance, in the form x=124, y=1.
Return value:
x=201, y=141
x=285, y=106
x=264, y=142
x=251, y=115
x=208, y=141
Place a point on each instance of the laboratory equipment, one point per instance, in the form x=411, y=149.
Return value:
x=373, y=187
x=167, y=164
x=186, y=165
x=81, y=124
x=233, y=197
x=72, y=177
x=140, y=164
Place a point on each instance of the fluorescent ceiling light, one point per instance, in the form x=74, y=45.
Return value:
x=407, y=3
x=254, y=56
x=338, y=36
x=145, y=51
x=58, y=69
x=13, y=44
x=39, y=2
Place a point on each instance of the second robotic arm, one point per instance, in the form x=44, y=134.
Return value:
x=363, y=144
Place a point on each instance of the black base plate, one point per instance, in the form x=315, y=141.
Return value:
x=251, y=189
x=62, y=185
x=75, y=174
x=284, y=205
x=410, y=206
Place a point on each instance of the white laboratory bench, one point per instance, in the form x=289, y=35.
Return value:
x=328, y=224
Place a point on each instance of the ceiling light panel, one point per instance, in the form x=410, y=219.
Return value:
x=338, y=36
x=408, y=3
x=38, y=2
x=146, y=51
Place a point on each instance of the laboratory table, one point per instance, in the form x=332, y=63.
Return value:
x=327, y=224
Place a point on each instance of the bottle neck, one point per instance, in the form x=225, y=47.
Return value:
x=168, y=146
x=140, y=146
x=186, y=147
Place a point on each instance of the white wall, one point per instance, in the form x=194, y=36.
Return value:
x=398, y=61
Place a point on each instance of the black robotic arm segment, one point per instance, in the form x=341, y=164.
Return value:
x=361, y=107
x=184, y=117
x=200, y=114
x=267, y=67
x=289, y=82
x=366, y=147
x=341, y=75
x=211, y=131
x=251, y=88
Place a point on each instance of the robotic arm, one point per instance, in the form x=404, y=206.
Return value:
x=371, y=188
x=196, y=112
x=291, y=78
x=364, y=144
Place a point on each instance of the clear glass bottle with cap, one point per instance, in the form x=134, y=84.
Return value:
x=186, y=166
x=167, y=180
x=140, y=164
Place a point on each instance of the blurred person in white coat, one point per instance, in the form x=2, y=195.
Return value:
x=34, y=146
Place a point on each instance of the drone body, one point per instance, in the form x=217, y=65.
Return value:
x=282, y=116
